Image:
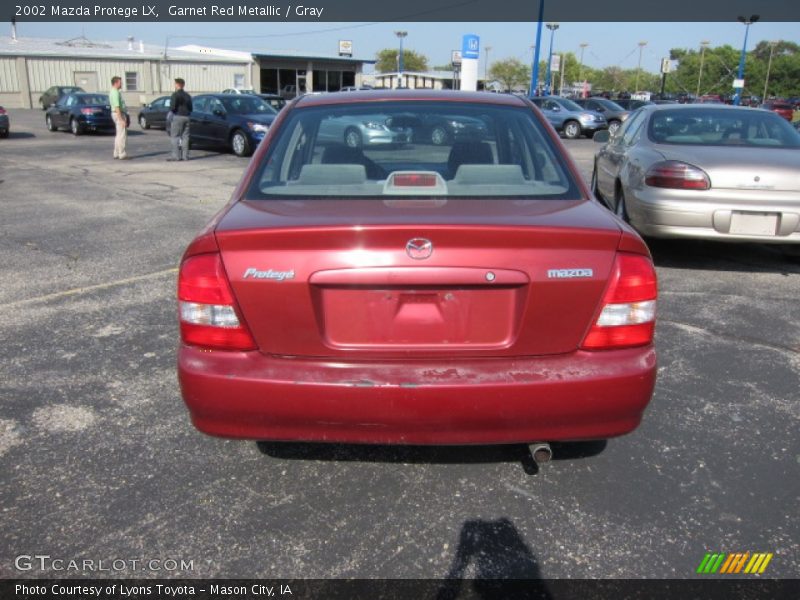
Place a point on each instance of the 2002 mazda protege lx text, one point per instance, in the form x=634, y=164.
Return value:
x=468, y=292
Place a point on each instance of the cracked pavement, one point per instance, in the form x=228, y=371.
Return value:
x=99, y=460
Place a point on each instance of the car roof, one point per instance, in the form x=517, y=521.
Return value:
x=408, y=96
x=701, y=106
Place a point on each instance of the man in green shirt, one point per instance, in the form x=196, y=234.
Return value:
x=119, y=114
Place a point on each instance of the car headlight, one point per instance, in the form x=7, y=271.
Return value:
x=257, y=127
x=586, y=117
x=373, y=125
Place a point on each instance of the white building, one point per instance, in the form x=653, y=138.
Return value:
x=29, y=66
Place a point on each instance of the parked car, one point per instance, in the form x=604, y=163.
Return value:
x=352, y=88
x=250, y=91
x=715, y=171
x=473, y=294
x=235, y=121
x=288, y=92
x=5, y=123
x=52, y=94
x=80, y=113
x=614, y=113
x=710, y=99
x=274, y=100
x=569, y=118
x=154, y=114
x=783, y=109
x=357, y=130
x=439, y=129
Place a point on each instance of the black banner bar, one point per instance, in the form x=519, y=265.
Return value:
x=708, y=588
x=401, y=11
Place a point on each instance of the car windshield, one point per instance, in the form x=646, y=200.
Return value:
x=569, y=104
x=93, y=99
x=734, y=127
x=243, y=104
x=413, y=149
x=610, y=105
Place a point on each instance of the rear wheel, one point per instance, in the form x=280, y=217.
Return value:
x=143, y=122
x=572, y=130
x=438, y=135
x=4, y=133
x=352, y=138
x=613, y=126
x=240, y=143
x=50, y=125
x=75, y=127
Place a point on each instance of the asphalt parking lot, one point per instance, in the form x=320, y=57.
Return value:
x=99, y=460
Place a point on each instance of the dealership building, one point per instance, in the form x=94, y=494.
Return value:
x=29, y=66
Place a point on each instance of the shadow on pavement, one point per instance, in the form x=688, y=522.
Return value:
x=725, y=256
x=503, y=453
x=496, y=552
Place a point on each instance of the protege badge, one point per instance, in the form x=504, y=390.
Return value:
x=569, y=273
x=253, y=273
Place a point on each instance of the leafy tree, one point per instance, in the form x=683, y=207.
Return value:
x=511, y=73
x=412, y=61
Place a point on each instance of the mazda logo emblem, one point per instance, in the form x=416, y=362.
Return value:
x=419, y=248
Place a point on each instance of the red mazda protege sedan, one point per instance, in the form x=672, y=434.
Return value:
x=415, y=267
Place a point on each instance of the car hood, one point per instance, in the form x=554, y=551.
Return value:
x=258, y=118
x=742, y=167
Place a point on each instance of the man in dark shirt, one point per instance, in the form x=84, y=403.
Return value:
x=181, y=107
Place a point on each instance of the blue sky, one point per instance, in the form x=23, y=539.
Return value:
x=609, y=43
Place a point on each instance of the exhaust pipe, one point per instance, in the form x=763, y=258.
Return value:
x=541, y=452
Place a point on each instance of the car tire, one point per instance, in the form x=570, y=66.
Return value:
x=620, y=206
x=352, y=138
x=4, y=134
x=50, y=125
x=613, y=126
x=75, y=127
x=143, y=122
x=240, y=144
x=572, y=130
x=439, y=136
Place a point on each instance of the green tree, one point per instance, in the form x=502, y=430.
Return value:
x=412, y=61
x=511, y=73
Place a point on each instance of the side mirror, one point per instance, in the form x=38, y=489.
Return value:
x=219, y=112
x=556, y=109
x=602, y=136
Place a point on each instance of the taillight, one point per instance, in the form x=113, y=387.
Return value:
x=629, y=306
x=87, y=111
x=207, y=310
x=677, y=175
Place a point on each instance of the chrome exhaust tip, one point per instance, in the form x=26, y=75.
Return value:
x=541, y=452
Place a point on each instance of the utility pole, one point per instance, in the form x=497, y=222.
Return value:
x=639, y=68
x=737, y=97
x=535, y=65
x=703, y=45
x=401, y=35
x=486, y=67
x=552, y=27
x=769, y=66
x=561, y=80
x=580, y=71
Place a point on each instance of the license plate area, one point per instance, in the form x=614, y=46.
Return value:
x=754, y=223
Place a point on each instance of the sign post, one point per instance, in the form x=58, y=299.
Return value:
x=470, y=53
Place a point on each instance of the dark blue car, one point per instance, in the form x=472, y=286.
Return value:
x=235, y=121
x=80, y=113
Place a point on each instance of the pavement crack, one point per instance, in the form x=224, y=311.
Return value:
x=733, y=338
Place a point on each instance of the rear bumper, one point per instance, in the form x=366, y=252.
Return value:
x=578, y=396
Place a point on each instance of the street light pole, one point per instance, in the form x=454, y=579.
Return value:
x=737, y=97
x=486, y=66
x=580, y=71
x=401, y=36
x=639, y=68
x=535, y=65
x=769, y=66
x=552, y=27
x=703, y=45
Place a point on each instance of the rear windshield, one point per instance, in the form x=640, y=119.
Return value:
x=93, y=99
x=705, y=127
x=413, y=149
x=245, y=104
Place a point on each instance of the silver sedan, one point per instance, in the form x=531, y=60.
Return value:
x=712, y=171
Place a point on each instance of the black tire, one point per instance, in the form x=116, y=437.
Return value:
x=75, y=127
x=439, y=135
x=352, y=138
x=50, y=125
x=572, y=130
x=240, y=144
x=620, y=208
x=4, y=134
x=613, y=126
x=143, y=122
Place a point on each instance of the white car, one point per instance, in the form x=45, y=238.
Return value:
x=239, y=91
